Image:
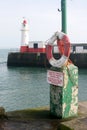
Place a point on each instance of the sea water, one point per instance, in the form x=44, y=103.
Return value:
x=27, y=87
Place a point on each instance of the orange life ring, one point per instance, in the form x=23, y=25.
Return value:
x=63, y=44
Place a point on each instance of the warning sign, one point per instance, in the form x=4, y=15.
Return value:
x=55, y=78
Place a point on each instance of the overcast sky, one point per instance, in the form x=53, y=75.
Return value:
x=43, y=18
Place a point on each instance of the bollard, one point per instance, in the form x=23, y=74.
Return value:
x=63, y=78
x=63, y=91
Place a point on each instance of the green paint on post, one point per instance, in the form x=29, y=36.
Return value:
x=63, y=9
x=64, y=100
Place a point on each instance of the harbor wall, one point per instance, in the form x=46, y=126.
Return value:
x=27, y=59
x=40, y=59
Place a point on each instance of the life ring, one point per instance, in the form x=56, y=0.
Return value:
x=63, y=44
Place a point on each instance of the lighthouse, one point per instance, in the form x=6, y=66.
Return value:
x=24, y=36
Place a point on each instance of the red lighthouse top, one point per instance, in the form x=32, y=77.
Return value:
x=24, y=22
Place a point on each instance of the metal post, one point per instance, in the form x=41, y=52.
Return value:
x=63, y=9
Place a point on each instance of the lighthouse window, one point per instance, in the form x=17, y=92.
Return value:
x=35, y=45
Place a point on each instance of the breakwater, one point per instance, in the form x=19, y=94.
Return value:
x=40, y=59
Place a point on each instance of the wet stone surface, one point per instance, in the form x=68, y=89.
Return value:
x=83, y=120
x=40, y=119
x=27, y=125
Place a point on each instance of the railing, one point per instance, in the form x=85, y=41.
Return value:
x=75, y=48
x=79, y=48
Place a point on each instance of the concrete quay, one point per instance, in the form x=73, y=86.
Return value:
x=80, y=122
x=40, y=119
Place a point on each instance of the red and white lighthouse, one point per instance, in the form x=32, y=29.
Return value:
x=30, y=46
x=24, y=36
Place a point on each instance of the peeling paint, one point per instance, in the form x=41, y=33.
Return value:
x=64, y=100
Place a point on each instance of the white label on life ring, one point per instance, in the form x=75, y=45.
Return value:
x=58, y=63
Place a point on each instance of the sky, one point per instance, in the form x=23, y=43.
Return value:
x=43, y=18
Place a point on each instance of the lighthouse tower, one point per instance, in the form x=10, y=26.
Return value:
x=24, y=36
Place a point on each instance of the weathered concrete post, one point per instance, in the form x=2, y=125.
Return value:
x=63, y=80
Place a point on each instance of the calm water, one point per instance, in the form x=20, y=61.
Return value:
x=27, y=87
